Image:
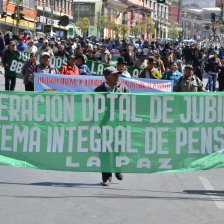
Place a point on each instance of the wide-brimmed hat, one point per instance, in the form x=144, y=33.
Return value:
x=110, y=71
x=121, y=61
x=151, y=59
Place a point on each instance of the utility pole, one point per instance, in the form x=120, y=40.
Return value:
x=52, y=16
x=98, y=23
x=18, y=17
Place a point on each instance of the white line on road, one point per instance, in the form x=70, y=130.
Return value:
x=218, y=201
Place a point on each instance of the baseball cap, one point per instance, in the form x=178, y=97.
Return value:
x=45, y=41
x=110, y=71
x=12, y=43
x=45, y=54
x=71, y=57
x=216, y=52
x=189, y=66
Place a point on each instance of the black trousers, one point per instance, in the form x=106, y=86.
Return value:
x=29, y=86
x=10, y=83
x=106, y=176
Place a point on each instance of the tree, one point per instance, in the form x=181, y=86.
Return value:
x=83, y=24
x=148, y=27
x=105, y=22
x=173, y=32
x=123, y=29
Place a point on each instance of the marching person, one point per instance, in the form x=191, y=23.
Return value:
x=189, y=82
x=27, y=71
x=173, y=74
x=70, y=68
x=45, y=66
x=122, y=68
x=80, y=63
x=10, y=82
x=151, y=72
x=111, y=84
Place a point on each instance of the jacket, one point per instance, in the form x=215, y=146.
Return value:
x=81, y=70
x=171, y=76
x=195, y=85
x=154, y=71
x=121, y=88
x=68, y=70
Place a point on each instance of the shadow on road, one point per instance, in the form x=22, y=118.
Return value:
x=205, y=192
x=200, y=193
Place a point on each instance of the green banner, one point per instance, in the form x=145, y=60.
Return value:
x=18, y=59
x=136, y=133
x=97, y=68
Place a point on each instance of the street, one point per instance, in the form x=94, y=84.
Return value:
x=52, y=197
x=40, y=196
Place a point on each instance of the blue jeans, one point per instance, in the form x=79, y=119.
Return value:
x=211, y=84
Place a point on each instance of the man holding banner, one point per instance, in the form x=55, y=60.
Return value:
x=111, y=75
x=45, y=66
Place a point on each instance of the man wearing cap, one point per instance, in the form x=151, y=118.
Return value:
x=105, y=55
x=10, y=82
x=122, y=68
x=21, y=45
x=31, y=48
x=45, y=66
x=40, y=43
x=151, y=72
x=141, y=62
x=70, y=68
x=130, y=56
x=45, y=48
x=212, y=68
x=189, y=82
x=167, y=59
x=2, y=45
x=111, y=84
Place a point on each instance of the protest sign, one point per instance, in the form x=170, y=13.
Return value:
x=83, y=83
x=94, y=132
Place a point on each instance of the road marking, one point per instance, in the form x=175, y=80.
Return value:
x=218, y=201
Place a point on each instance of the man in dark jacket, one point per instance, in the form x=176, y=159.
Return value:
x=111, y=84
x=2, y=45
x=130, y=56
x=10, y=82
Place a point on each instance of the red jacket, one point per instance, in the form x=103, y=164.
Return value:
x=68, y=70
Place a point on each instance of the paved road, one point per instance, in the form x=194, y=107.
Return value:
x=51, y=197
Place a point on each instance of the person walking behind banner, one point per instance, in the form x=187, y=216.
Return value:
x=212, y=67
x=105, y=55
x=80, y=63
x=45, y=66
x=189, y=82
x=2, y=45
x=221, y=75
x=173, y=74
x=151, y=72
x=10, y=82
x=122, y=68
x=28, y=70
x=31, y=48
x=70, y=68
x=111, y=84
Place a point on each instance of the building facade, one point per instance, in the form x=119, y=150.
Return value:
x=27, y=7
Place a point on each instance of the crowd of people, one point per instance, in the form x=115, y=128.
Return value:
x=184, y=65
x=170, y=61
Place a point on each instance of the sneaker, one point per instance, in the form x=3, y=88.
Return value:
x=106, y=183
x=119, y=176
